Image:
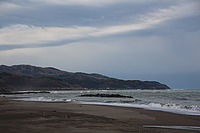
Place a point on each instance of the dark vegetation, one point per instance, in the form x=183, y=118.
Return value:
x=26, y=77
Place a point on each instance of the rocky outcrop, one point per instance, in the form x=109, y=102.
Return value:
x=106, y=95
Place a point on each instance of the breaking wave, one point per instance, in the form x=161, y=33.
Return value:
x=176, y=101
x=170, y=107
x=43, y=99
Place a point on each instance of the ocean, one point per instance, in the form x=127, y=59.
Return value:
x=178, y=101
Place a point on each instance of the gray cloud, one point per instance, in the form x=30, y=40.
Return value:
x=148, y=40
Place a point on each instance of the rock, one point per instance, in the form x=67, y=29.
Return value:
x=106, y=95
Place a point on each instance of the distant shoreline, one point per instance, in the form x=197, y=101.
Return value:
x=72, y=89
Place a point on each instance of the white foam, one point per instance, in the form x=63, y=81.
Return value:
x=175, y=127
x=42, y=99
x=151, y=106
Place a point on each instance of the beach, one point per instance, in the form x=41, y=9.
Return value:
x=59, y=117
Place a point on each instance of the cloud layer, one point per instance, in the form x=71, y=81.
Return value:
x=39, y=35
x=130, y=39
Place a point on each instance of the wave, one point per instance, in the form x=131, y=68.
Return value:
x=175, y=127
x=170, y=107
x=173, y=106
x=42, y=99
x=176, y=101
x=136, y=103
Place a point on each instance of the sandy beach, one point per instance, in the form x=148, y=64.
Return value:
x=43, y=117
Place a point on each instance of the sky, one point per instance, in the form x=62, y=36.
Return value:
x=149, y=40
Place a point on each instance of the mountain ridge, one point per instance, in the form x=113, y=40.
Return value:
x=27, y=77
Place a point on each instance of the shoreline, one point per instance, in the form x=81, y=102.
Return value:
x=126, y=105
x=182, y=112
x=60, y=117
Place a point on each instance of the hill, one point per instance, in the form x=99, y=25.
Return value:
x=26, y=77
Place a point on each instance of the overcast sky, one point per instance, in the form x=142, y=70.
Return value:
x=127, y=39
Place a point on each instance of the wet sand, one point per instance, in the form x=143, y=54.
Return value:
x=44, y=117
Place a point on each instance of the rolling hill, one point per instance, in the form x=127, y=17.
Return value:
x=27, y=77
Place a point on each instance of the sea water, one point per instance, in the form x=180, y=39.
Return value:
x=176, y=101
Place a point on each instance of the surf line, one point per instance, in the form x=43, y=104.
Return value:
x=174, y=127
